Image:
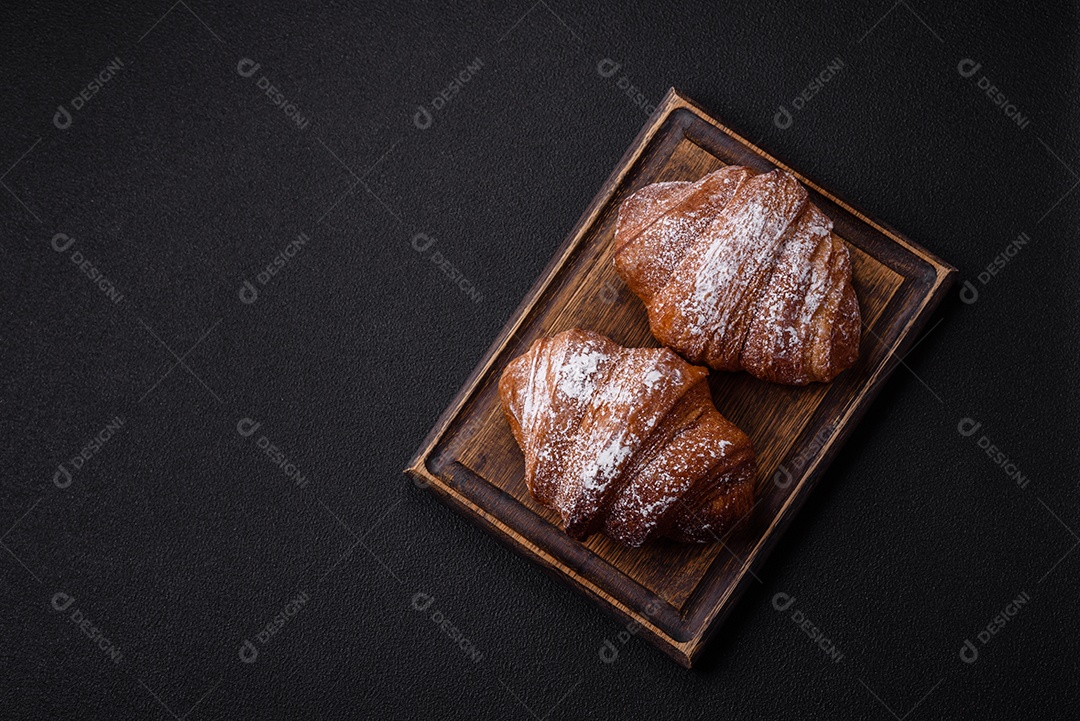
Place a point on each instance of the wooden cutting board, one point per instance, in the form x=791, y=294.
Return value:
x=677, y=595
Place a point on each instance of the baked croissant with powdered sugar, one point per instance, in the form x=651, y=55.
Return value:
x=626, y=441
x=741, y=271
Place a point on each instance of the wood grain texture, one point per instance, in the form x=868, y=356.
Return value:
x=678, y=593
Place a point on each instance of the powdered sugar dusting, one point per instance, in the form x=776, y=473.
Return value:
x=759, y=283
x=611, y=439
x=654, y=253
x=578, y=375
x=761, y=213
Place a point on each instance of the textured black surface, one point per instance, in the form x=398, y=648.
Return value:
x=180, y=179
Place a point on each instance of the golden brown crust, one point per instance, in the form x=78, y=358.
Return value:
x=654, y=233
x=626, y=441
x=741, y=271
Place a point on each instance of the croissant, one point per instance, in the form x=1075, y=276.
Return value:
x=626, y=441
x=741, y=271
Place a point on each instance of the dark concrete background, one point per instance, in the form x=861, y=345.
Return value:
x=179, y=180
